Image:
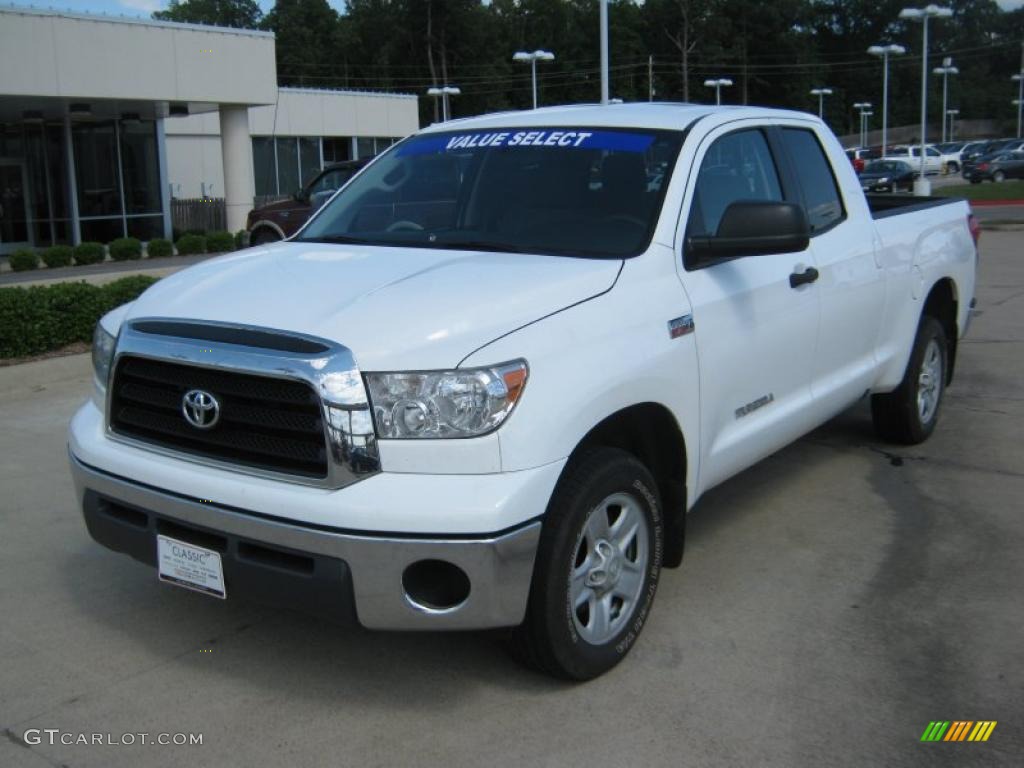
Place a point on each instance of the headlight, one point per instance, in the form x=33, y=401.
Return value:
x=102, y=353
x=445, y=404
x=883, y=180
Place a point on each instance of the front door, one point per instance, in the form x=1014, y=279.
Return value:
x=756, y=334
x=15, y=232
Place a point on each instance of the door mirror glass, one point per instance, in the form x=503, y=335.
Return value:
x=753, y=228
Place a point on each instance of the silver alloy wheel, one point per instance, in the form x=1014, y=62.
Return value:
x=608, y=568
x=929, y=382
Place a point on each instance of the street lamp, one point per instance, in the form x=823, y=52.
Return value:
x=533, y=58
x=821, y=93
x=951, y=116
x=444, y=92
x=861, y=106
x=1020, y=96
x=922, y=186
x=865, y=116
x=945, y=70
x=721, y=82
x=885, y=51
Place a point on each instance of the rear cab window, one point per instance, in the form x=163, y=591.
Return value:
x=821, y=198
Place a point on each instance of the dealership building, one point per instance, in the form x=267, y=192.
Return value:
x=104, y=119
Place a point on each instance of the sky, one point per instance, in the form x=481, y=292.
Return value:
x=145, y=7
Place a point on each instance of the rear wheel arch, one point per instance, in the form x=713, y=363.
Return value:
x=943, y=304
x=650, y=432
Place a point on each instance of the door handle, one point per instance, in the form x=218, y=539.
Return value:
x=797, y=279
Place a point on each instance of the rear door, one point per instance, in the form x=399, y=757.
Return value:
x=850, y=279
x=755, y=333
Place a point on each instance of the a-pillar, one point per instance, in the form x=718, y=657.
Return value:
x=236, y=150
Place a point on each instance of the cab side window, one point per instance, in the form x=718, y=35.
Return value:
x=738, y=166
x=821, y=194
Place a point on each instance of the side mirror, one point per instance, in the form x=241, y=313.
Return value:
x=753, y=228
x=301, y=196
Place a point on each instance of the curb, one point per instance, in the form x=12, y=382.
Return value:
x=994, y=203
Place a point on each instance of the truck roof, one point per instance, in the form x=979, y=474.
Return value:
x=657, y=115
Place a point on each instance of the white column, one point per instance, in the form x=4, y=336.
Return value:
x=165, y=189
x=236, y=151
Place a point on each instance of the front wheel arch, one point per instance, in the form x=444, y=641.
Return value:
x=650, y=432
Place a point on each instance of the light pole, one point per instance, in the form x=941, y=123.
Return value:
x=444, y=92
x=1019, y=77
x=718, y=84
x=885, y=51
x=865, y=116
x=861, y=106
x=821, y=93
x=533, y=58
x=922, y=186
x=951, y=116
x=945, y=70
x=604, y=51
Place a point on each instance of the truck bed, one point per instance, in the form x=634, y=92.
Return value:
x=884, y=206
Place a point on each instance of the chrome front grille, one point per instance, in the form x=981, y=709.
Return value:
x=292, y=407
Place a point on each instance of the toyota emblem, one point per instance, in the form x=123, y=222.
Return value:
x=201, y=409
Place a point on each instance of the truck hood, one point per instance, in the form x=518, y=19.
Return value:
x=395, y=308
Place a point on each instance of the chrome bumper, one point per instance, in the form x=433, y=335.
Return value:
x=499, y=567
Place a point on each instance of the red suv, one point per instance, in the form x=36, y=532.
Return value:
x=276, y=221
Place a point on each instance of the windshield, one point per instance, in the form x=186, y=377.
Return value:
x=563, y=191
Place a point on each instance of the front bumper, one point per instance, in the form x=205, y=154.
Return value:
x=324, y=570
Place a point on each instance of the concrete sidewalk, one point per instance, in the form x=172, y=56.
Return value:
x=104, y=272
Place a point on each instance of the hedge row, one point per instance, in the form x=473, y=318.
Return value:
x=125, y=249
x=42, y=318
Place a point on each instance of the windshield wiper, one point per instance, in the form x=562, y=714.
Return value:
x=344, y=239
x=479, y=245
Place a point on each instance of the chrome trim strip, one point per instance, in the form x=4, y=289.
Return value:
x=349, y=435
x=499, y=567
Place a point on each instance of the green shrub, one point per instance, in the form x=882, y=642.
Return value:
x=23, y=260
x=158, y=248
x=125, y=249
x=241, y=239
x=188, y=244
x=41, y=318
x=89, y=253
x=220, y=242
x=58, y=256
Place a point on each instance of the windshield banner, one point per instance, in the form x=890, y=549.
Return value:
x=565, y=139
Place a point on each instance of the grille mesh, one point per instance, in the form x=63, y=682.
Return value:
x=264, y=423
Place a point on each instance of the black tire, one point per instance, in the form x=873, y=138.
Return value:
x=549, y=639
x=897, y=416
x=262, y=236
x=953, y=167
x=998, y=177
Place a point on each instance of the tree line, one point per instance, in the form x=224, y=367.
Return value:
x=774, y=52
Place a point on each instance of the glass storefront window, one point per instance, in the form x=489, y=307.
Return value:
x=263, y=165
x=145, y=228
x=140, y=167
x=337, y=148
x=287, y=166
x=364, y=147
x=102, y=230
x=99, y=188
x=309, y=158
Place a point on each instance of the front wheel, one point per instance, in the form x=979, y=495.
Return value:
x=597, y=567
x=909, y=413
x=999, y=177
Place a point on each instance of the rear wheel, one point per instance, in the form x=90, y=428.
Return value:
x=597, y=567
x=909, y=413
x=998, y=176
x=262, y=236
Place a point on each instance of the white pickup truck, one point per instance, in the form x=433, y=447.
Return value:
x=485, y=383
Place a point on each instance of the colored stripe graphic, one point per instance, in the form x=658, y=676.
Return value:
x=959, y=730
x=935, y=730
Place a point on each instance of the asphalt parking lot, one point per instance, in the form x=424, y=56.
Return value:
x=833, y=600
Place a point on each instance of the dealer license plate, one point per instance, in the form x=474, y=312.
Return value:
x=189, y=566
